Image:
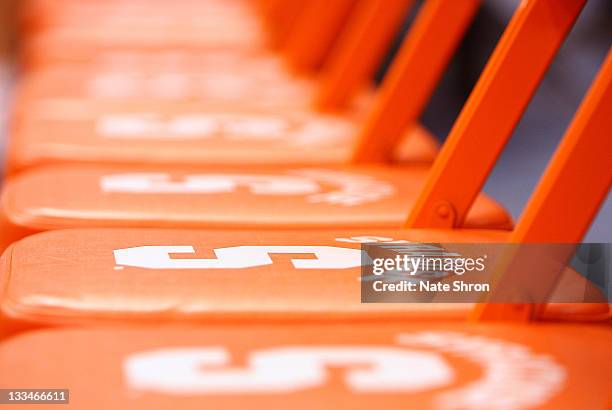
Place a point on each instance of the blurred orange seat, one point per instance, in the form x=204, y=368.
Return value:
x=57, y=35
x=42, y=15
x=139, y=27
x=307, y=366
x=167, y=134
x=255, y=81
x=178, y=59
x=263, y=197
x=83, y=29
x=214, y=56
x=221, y=72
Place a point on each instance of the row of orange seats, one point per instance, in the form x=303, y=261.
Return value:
x=190, y=183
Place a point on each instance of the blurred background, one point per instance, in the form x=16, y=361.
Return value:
x=537, y=135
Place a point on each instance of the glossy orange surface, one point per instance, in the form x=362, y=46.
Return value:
x=363, y=366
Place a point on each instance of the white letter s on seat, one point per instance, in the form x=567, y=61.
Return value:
x=237, y=257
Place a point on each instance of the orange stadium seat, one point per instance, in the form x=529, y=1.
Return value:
x=393, y=365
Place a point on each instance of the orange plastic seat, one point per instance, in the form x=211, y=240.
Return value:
x=178, y=59
x=306, y=366
x=93, y=276
x=98, y=283
x=261, y=197
x=150, y=133
x=258, y=80
x=34, y=56
x=41, y=15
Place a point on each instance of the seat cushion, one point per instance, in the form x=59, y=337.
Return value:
x=96, y=276
x=166, y=133
x=75, y=276
x=76, y=42
x=394, y=366
x=255, y=197
x=257, y=79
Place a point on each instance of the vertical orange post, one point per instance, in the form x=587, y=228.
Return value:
x=413, y=75
x=312, y=38
x=493, y=110
x=360, y=49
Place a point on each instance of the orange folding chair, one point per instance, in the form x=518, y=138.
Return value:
x=395, y=365
x=249, y=197
x=291, y=196
x=95, y=276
